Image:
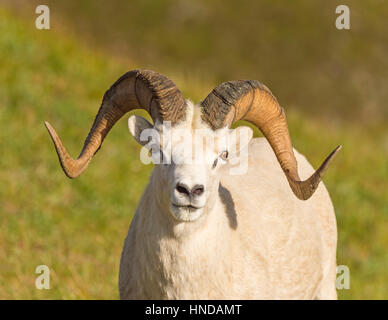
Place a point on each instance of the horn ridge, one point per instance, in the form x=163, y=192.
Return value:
x=136, y=89
x=252, y=101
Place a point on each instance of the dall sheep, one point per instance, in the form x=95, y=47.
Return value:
x=200, y=232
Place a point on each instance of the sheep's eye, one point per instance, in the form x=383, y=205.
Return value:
x=155, y=151
x=215, y=163
x=224, y=155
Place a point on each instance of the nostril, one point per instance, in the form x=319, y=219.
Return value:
x=182, y=189
x=198, y=190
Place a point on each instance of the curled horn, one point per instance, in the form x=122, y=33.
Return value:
x=137, y=89
x=252, y=101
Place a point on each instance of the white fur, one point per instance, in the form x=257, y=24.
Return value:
x=250, y=237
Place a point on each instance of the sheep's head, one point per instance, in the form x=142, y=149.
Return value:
x=189, y=159
x=226, y=104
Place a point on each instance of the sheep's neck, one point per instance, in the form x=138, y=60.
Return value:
x=187, y=253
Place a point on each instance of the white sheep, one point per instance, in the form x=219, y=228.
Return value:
x=201, y=232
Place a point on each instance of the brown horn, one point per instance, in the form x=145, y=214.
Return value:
x=252, y=101
x=137, y=89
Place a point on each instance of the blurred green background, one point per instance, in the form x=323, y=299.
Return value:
x=331, y=82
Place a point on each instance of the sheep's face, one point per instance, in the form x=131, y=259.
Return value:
x=189, y=158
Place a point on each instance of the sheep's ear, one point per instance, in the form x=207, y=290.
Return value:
x=239, y=139
x=136, y=126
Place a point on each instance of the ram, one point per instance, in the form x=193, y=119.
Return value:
x=201, y=231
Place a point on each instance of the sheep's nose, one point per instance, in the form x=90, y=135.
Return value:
x=183, y=189
x=196, y=191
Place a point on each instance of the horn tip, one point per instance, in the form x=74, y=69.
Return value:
x=61, y=151
x=49, y=128
x=334, y=152
x=47, y=124
x=301, y=190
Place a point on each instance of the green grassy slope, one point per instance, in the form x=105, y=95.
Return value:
x=77, y=227
x=292, y=46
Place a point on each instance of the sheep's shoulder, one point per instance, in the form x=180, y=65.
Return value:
x=267, y=211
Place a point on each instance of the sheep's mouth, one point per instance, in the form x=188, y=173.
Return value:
x=188, y=207
x=185, y=213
